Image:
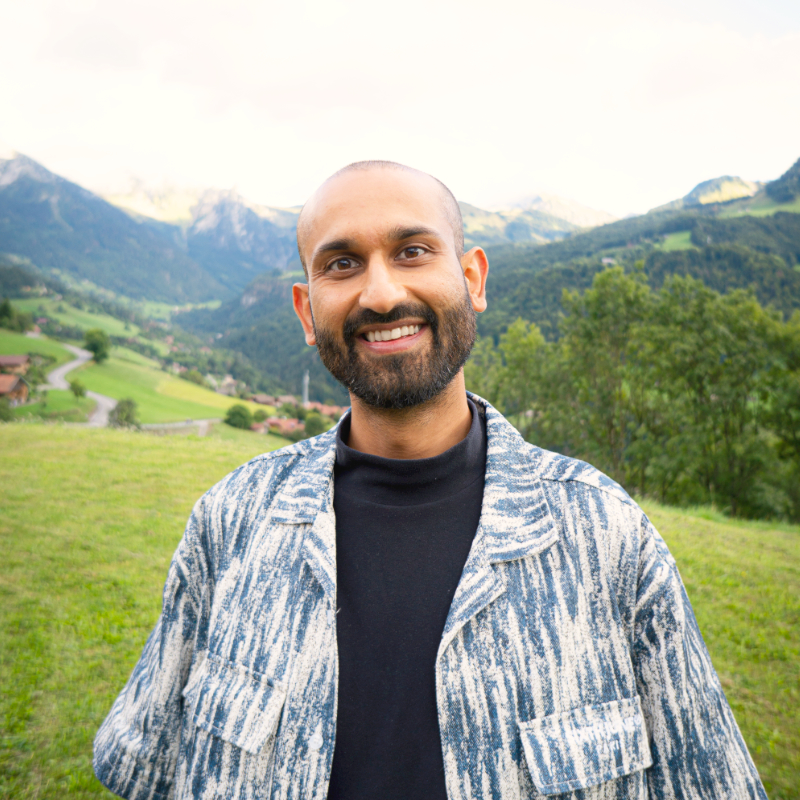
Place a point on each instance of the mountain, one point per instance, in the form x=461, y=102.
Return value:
x=786, y=188
x=717, y=190
x=232, y=238
x=63, y=228
x=719, y=243
x=508, y=226
x=579, y=215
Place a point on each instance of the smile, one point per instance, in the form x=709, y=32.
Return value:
x=393, y=333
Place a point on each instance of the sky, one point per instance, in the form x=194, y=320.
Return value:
x=621, y=105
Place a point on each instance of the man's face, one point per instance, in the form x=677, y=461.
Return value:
x=387, y=302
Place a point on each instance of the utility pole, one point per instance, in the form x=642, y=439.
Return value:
x=305, y=389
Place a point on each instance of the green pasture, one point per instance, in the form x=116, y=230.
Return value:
x=760, y=206
x=160, y=397
x=67, y=314
x=18, y=344
x=57, y=405
x=90, y=518
x=682, y=240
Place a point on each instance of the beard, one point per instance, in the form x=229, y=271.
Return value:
x=401, y=380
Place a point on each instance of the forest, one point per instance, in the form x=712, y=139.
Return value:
x=681, y=393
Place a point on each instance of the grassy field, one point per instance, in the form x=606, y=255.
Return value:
x=57, y=405
x=682, y=240
x=161, y=397
x=760, y=206
x=75, y=317
x=89, y=520
x=18, y=344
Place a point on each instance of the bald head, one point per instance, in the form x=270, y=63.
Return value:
x=425, y=183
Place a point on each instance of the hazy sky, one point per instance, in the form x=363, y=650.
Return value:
x=619, y=105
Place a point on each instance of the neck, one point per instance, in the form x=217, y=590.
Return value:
x=423, y=431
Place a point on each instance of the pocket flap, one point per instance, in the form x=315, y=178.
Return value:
x=586, y=746
x=230, y=701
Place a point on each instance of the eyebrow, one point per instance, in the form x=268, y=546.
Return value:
x=398, y=234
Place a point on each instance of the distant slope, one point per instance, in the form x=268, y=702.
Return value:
x=786, y=188
x=715, y=191
x=60, y=226
x=528, y=280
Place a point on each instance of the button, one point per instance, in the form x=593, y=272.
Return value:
x=315, y=742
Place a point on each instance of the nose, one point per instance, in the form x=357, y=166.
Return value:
x=381, y=291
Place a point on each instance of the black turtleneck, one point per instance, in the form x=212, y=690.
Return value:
x=403, y=532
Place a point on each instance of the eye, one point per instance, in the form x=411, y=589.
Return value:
x=341, y=264
x=413, y=251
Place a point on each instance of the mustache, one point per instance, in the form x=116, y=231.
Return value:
x=366, y=316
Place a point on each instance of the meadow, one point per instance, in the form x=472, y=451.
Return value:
x=160, y=396
x=89, y=521
x=12, y=343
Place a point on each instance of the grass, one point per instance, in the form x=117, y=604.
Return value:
x=682, y=240
x=744, y=582
x=68, y=315
x=89, y=520
x=161, y=397
x=18, y=344
x=761, y=206
x=59, y=404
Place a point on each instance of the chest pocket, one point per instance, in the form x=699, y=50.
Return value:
x=586, y=746
x=235, y=704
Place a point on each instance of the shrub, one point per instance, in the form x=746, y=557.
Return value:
x=124, y=414
x=260, y=415
x=239, y=416
x=6, y=414
x=77, y=388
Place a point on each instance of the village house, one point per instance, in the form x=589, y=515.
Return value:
x=17, y=365
x=283, y=425
x=265, y=399
x=327, y=411
x=14, y=388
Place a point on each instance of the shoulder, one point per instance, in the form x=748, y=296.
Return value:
x=560, y=469
x=265, y=475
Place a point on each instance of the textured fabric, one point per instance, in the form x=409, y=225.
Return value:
x=569, y=618
x=404, y=528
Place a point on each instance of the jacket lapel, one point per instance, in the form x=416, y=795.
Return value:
x=515, y=521
x=307, y=498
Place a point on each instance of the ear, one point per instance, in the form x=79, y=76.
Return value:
x=476, y=268
x=302, y=307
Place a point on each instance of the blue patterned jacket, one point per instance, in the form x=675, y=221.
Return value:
x=570, y=663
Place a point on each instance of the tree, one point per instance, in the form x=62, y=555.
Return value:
x=260, y=415
x=239, y=416
x=195, y=376
x=124, y=414
x=12, y=319
x=98, y=344
x=77, y=388
x=316, y=423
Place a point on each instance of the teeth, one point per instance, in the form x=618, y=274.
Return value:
x=394, y=333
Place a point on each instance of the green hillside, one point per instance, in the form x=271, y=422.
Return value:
x=160, y=396
x=90, y=520
x=18, y=344
x=58, y=225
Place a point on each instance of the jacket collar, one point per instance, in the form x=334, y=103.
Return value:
x=515, y=518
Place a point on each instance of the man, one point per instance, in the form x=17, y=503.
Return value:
x=418, y=603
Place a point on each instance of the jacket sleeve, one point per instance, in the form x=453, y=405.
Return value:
x=698, y=751
x=136, y=748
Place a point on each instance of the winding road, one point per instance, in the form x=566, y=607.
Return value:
x=57, y=379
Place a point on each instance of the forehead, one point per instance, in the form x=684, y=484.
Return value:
x=366, y=205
